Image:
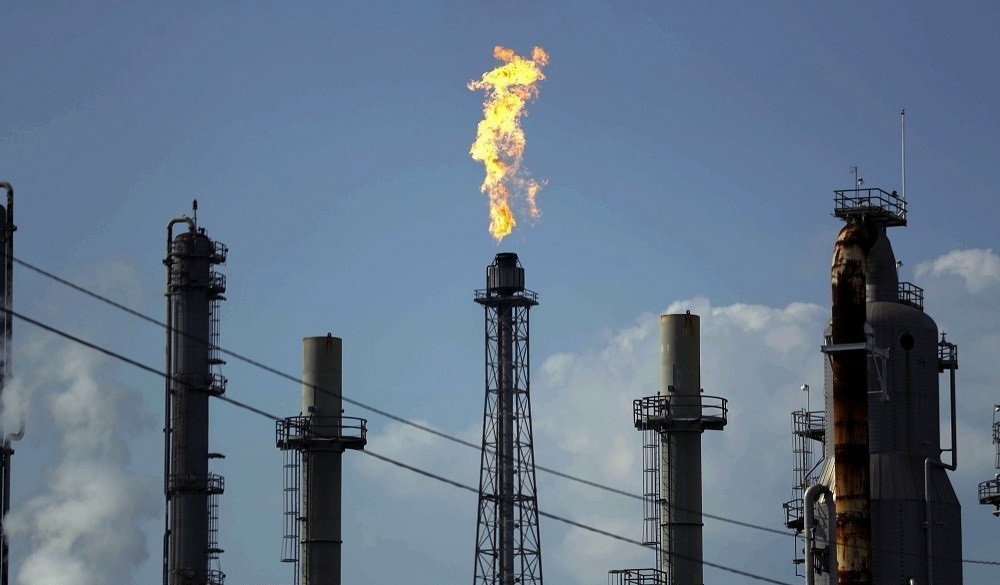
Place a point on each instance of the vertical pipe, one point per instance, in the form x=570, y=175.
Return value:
x=902, y=150
x=850, y=404
x=322, y=405
x=168, y=261
x=8, y=350
x=928, y=462
x=5, y=454
x=505, y=440
x=808, y=504
x=680, y=379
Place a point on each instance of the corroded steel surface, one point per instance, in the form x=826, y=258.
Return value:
x=850, y=405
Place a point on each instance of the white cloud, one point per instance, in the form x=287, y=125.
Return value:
x=755, y=356
x=979, y=268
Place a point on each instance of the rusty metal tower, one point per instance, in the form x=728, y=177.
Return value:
x=194, y=289
x=508, y=549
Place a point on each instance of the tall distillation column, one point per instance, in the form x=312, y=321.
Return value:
x=896, y=515
x=193, y=294
x=7, y=228
x=313, y=443
x=508, y=548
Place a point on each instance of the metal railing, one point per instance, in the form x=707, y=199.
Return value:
x=216, y=283
x=885, y=208
x=219, y=253
x=299, y=431
x=193, y=577
x=651, y=410
x=524, y=294
x=947, y=355
x=192, y=482
x=989, y=492
x=911, y=294
x=637, y=577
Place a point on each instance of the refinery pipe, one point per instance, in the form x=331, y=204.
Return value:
x=809, y=502
x=848, y=357
x=928, y=462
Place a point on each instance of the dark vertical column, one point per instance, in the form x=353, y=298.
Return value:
x=189, y=441
x=680, y=371
x=322, y=376
x=505, y=439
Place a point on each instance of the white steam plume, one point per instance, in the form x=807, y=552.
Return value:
x=84, y=526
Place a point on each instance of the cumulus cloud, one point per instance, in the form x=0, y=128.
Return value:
x=84, y=527
x=755, y=356
x=979, y=268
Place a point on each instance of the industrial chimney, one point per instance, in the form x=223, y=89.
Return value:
x=313, y=443
x=194, y=290
x=672, y=423
x=508, y=549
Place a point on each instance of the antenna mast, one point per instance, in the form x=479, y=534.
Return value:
x=902, y=150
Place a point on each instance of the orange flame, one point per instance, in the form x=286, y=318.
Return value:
x=500, y=141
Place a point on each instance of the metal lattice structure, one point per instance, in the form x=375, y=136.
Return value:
x=508, y=547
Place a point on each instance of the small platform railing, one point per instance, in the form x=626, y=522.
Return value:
x=300, y=432
x=663, y=411
x=637, y=577
x=885, y=208
x=192, y=482
x=911, y=294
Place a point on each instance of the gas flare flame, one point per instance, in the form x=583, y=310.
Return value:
x=500, y=141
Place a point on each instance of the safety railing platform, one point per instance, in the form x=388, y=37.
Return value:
x=305, y=432
x=882, y=207
x=680, y=411
x=637, y=577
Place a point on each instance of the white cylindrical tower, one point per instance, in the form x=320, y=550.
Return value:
x=314, y=443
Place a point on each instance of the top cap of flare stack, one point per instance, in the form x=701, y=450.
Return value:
x=500, y=141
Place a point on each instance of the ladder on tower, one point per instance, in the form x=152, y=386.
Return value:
x=292, y=516
x=807, y=427
x=651, y=501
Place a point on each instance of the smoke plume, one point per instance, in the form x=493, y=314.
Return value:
x=84, y=525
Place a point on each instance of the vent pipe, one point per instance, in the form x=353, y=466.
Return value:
x=850, y=404
x=7, y=228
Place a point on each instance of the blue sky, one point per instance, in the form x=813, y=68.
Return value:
x=690, y=151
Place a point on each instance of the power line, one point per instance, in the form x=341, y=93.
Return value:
x=571, y=522
x=292, y=378
x=274, y=418
x=359, y=404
